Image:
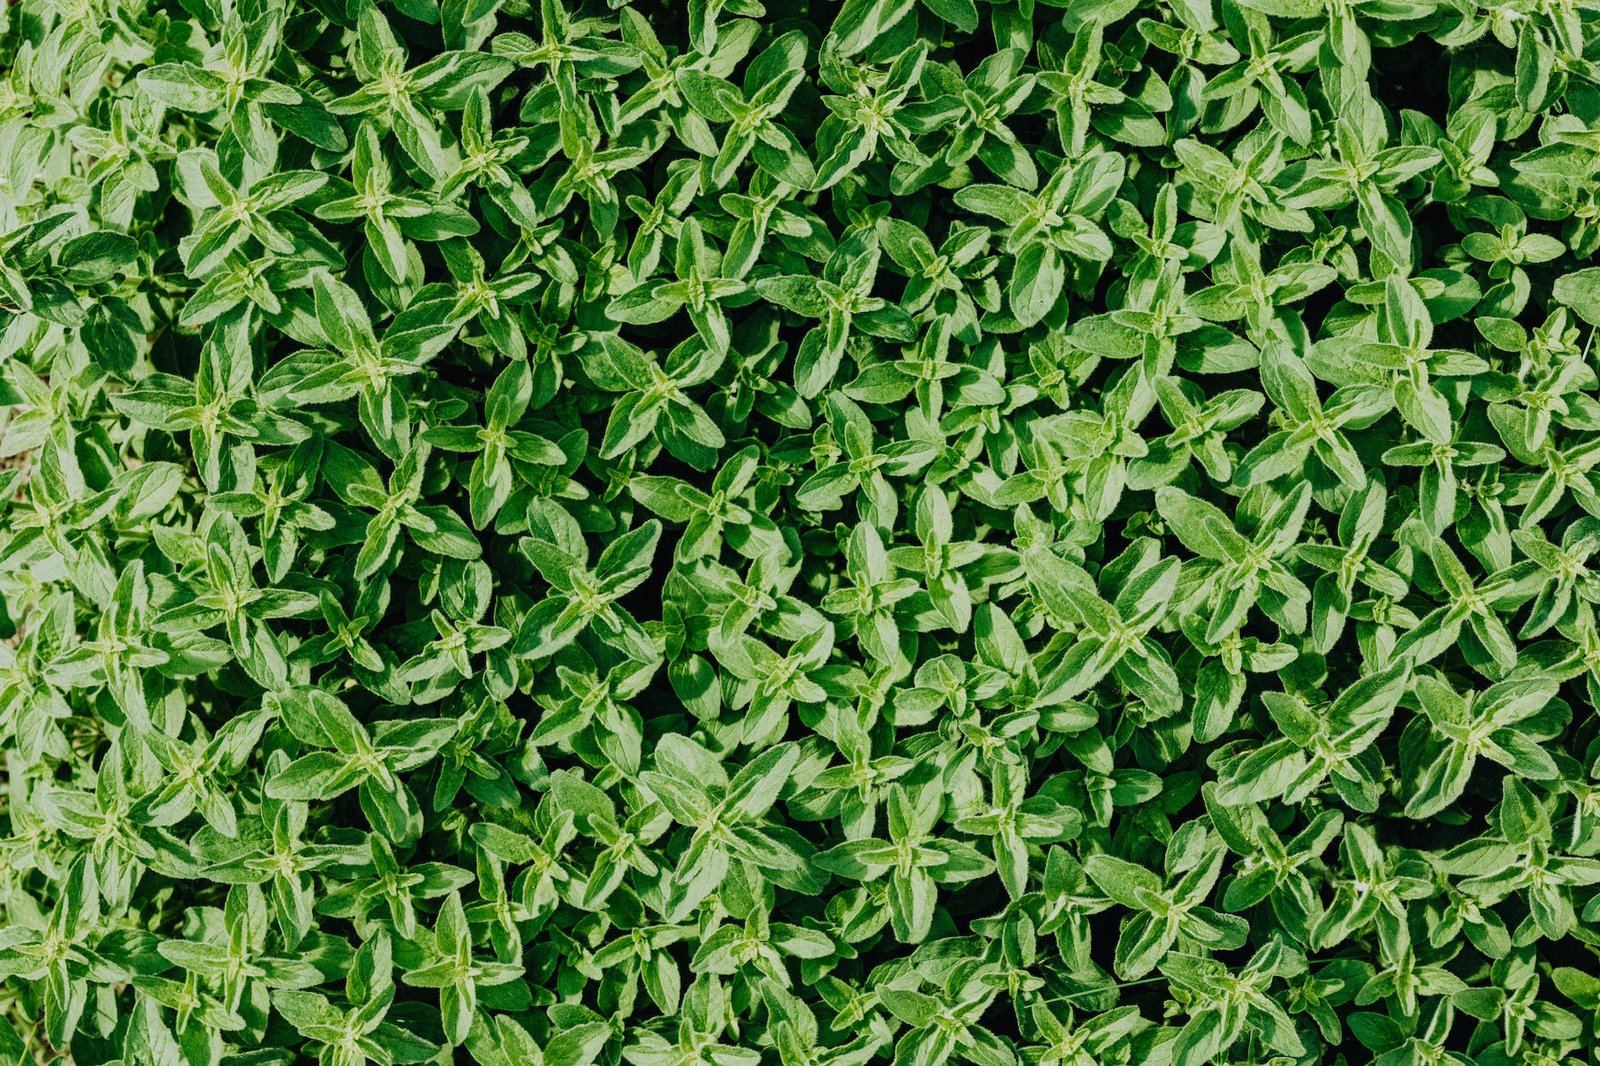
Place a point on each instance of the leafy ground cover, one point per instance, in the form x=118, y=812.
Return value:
x=1021, y=532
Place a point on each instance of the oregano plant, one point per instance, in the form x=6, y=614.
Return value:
x=808, y=533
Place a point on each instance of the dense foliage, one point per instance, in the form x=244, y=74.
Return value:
x=993, y=531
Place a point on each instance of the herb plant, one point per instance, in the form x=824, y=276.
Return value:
x=1014, y=532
